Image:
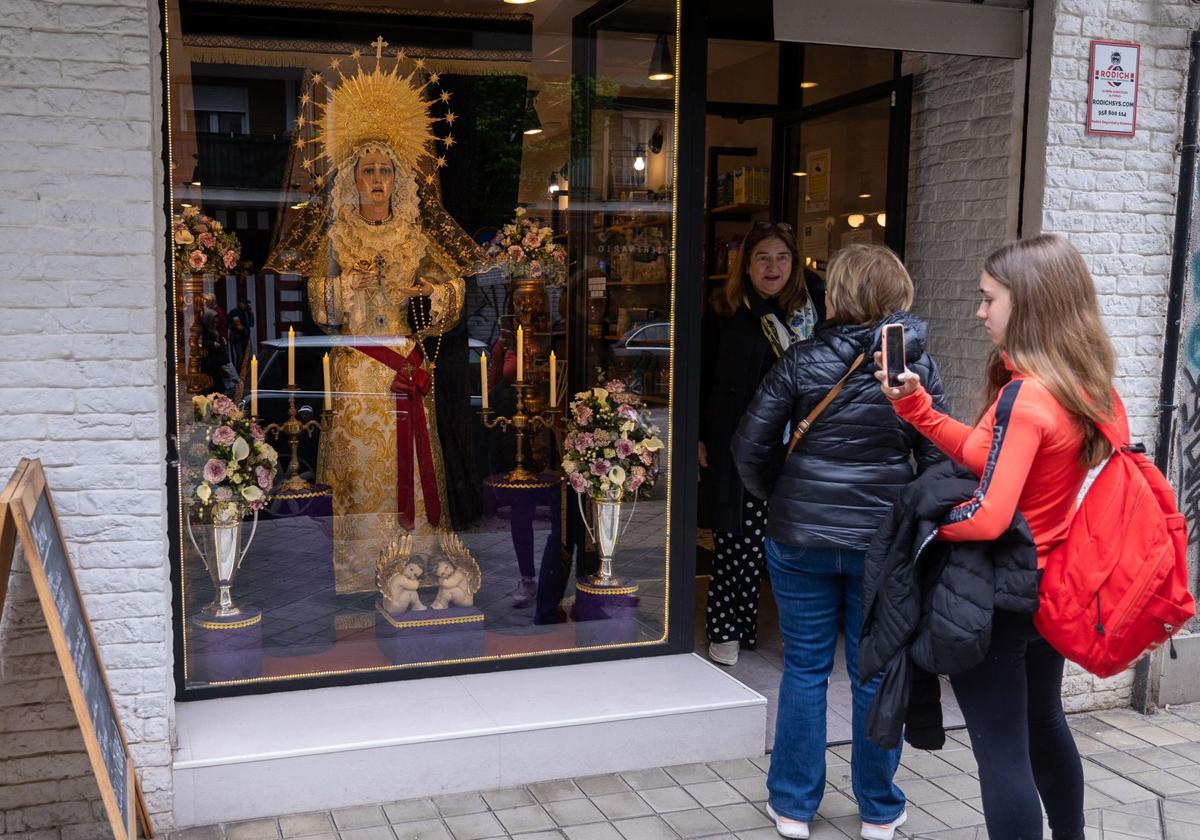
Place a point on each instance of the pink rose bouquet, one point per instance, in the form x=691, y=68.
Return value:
x=529, y=250
x=240, y=468
x=201, y=243
x=611, y=449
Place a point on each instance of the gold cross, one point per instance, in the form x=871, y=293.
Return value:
x=379, y=44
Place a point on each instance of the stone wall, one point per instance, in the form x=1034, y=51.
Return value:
x=82, y=386
x=963, y=162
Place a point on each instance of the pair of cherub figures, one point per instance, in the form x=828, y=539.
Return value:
x=399, y=576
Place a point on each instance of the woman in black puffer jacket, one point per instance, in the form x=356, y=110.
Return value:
x=825, y=502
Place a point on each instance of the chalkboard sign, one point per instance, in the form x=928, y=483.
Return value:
x=26, y=503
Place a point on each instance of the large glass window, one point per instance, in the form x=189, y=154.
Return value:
x=422, y=334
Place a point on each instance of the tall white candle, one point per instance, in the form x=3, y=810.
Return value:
x=254, y=386
x=483, y=379
x=291, y=356
x=325, y=371
x=520, y=353
x=553, y=379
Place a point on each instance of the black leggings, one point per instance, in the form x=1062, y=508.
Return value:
x=1012, y=702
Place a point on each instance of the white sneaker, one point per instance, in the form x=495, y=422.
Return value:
x=883, y=832
x=724, y=653
x=788, y=827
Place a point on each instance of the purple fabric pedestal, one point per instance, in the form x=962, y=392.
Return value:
x=605, y=615
x=430, y=635
x=224, y=649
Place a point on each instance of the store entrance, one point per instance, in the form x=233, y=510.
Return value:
x=815, y=137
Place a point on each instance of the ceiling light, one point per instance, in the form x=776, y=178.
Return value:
x=807, y=85
x=518, y=2
x=639, y=162
x=864, y=195
x=184, y=204
x=800, y=173
x=855, y=220
x=881, y=219
x=661, y=66
x=195, y=183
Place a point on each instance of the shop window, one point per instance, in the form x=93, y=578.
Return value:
x=422, y=317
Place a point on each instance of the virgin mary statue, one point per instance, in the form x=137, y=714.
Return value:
x=385, y=267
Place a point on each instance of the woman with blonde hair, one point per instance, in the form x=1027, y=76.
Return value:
x=826, y=500
x=768, y=303
x=1047, y=386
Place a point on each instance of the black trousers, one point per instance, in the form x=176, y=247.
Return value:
x=1012, y=702
x=738, y=564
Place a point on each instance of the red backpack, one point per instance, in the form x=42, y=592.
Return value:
x=1116, y=587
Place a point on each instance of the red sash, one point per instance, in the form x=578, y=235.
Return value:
x=411, y=383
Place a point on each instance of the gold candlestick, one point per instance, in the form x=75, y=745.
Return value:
x=521, y=421
x=291, y=429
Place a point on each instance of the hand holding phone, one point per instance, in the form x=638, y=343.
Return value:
x=893, y=353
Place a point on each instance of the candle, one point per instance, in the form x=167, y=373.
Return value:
x=520, y=353
x=291, y=357
x=553, y=379
x=254, y=386
x=325, y=370
x=483, y=379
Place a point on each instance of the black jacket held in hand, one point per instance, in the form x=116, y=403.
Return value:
x=836, y=487
x=928, y=604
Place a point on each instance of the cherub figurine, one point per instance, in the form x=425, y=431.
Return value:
x=457, y=574
x=401, y=593
x=398, y=576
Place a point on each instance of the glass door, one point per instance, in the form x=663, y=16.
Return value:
x=846, y=172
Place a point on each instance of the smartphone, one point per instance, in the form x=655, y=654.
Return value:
x=893, y=353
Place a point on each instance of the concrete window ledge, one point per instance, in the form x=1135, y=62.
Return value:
x=246, y=757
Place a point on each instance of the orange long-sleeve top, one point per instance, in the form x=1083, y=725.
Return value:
x=1025, y=450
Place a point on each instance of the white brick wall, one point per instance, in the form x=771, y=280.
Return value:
x=81, y=383
x=1115, y=196
x=962, y=192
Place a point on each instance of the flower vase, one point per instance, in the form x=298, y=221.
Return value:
x=606, y=519
x=531, y=307
x=190, y=308
x=226, y=556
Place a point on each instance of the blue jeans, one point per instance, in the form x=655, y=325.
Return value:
x=813, y=588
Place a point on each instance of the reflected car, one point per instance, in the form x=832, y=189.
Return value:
x=653, y=339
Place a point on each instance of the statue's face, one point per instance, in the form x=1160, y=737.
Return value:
x=375, y=177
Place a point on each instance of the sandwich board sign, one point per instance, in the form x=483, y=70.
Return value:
x=27, y=512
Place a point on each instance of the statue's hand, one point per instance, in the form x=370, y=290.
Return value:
x=421, y=288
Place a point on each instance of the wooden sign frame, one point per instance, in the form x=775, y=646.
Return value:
x=19, y=511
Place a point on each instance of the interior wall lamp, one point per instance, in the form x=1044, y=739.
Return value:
x=533, y=124
x=662, y=67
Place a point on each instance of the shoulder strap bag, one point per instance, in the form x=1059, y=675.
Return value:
x=804, y=425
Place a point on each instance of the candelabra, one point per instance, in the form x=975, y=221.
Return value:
x=520, y=422
x=291, y=429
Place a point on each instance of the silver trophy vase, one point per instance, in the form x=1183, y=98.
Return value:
x=224, y=561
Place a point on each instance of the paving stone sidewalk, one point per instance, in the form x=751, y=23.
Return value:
x=1142, y=773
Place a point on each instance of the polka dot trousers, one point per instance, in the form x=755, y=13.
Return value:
x=732, y=613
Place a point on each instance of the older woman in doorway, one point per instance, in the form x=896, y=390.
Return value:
x=827, y=497
x=767, y=304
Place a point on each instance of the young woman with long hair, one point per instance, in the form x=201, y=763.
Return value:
x=1048, y=384
x=768, y=303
